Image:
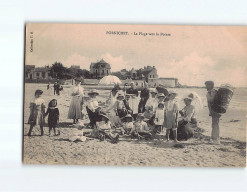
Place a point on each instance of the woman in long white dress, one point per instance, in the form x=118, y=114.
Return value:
x=75, y=109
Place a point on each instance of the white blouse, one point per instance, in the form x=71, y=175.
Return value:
x=78, y=89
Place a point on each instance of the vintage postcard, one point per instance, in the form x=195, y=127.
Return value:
x=135, y=95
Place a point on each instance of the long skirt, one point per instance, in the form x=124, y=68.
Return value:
x=170, y=120
x=36, y=118
x=115, y=120
x=75, y=109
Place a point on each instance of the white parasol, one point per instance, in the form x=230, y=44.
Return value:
x=196, y=101
x=110, y=80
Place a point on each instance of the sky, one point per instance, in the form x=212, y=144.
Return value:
x=193, y=54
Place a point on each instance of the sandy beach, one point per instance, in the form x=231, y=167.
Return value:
x=196, y=152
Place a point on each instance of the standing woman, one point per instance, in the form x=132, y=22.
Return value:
x=75, y=109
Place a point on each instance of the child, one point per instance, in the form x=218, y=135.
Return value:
x=91, y=107
x=104, y=129
x=48, y=86
x=128, y=123
x=171, y=115
x=127, y=104
x=159, y=118
x=37, y=111
x=140, y=128
x=119, y=106
x=53, y=116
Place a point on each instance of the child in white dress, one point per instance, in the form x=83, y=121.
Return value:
x=159, y=118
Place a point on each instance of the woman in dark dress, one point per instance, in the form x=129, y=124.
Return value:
x=53, y=116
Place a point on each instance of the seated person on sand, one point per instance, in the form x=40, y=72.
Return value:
x=104, y=129
x=188, y=112
x=187, y=125
x=119, y=106
x=140, y=128
x=92, y=108
x=128, y=124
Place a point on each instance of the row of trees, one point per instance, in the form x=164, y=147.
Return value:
x=60, y=72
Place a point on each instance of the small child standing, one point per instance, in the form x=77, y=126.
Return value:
x=53, y=116
x=140, y=128
x=159, y=118
x=37, y=111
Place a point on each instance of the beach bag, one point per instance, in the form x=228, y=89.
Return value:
x=222, y=99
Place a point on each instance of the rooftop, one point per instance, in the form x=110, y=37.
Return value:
x=100, y=64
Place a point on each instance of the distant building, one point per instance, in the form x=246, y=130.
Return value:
x=37, y=73
x=168, y=82
x=137, y=83
x=100, y=69
x=149, y=74
x=29, y=71
x=42, y=73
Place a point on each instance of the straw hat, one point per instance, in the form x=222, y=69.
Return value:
x=161, y=95
x=153, y=90
x=120, y=95
x=190, y=97
x=128, y=116
x=173, y=92
x=94, y=91
x=140, y=115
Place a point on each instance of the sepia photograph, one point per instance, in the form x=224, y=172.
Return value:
x=135, y=95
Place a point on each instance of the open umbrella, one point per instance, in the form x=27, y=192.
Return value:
x=110, y=80
x=196, y=101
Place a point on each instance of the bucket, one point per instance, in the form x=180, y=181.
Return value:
x=222, y=98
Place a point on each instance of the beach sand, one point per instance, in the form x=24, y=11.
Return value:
x=196, y=152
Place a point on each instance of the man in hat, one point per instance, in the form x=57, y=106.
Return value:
x=55, y=87
x=132, y=89
x=144, y=95
x=215, y=116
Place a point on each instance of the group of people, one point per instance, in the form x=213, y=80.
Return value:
x=56, y=87
x=155, y=113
